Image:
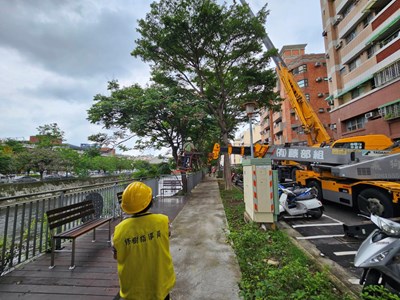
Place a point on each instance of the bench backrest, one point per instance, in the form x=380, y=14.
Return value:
x=67, y=214
x=172, y=183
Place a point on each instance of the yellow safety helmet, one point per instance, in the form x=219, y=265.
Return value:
x=136, y=197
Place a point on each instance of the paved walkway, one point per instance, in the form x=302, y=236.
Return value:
x=204, y=261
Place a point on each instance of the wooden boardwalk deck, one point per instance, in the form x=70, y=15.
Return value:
x=94, y=277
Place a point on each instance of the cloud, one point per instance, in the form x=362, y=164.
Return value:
x=79, y=39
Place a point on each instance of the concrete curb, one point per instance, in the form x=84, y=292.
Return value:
x=339, y=276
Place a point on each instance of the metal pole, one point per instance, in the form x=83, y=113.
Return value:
x=251, y=136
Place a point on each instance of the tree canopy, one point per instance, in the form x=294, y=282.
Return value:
x=161, y=116
x=212, y=51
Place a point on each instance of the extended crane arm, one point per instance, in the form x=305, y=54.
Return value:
x=312, y=125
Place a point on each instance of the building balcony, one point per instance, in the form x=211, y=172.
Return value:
x=278, y=127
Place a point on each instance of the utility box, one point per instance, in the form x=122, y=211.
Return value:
x=258, y=190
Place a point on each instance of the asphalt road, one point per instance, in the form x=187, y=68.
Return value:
x=328, y=235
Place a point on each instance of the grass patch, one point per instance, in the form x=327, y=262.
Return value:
x=272, y=266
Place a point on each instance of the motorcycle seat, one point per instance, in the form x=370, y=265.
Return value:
x=303, y=194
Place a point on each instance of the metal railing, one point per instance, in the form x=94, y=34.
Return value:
x=24, y=231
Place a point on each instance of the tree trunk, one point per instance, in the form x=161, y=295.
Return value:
x=175, y=154
x=227, y=165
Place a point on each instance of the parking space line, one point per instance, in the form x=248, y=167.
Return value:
x=354, y=280
x=333, y=219
x=319, y=237
x=312, y=225
x=343, y=253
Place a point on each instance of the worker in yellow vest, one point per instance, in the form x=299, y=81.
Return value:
x=141, y=248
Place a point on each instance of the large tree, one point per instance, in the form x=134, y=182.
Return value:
x=214, y=52
x=49, y=135
x=160, y=115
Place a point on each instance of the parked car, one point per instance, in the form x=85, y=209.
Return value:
x=52, y=177
x=3, y=178
x=25, y=179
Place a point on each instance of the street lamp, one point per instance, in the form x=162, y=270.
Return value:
x=250, y=107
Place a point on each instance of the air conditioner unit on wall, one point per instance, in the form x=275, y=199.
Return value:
x=317, y=64
x=339, y=45
x=371, y=115
x=318, y=79
x=337, y=19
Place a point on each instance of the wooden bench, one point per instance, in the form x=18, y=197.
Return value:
x=74, y=213
x=173, y=185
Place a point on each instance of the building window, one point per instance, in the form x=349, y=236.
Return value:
x=307, y=97
x=348, y=38
x=368, y=19
x=355, y=123
x=354, y=64
x=348, y=8
x=388, y=74
x=300, y=69
x=303, y=83
x=389, y=38
x=370, y=51
x=391, y=111
x=355, y=93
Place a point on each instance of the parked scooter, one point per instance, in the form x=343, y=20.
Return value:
x=297, y=202
x=379, y=255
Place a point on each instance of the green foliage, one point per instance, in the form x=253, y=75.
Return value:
x=377, y=292
x=49, y=135
x=143, y=169
x=162, y=116
x=213, y=51
x=272, y=267
x=9, y=152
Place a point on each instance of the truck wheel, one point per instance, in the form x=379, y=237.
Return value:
x=316, y=185
x=293, y=174
x=376, y=202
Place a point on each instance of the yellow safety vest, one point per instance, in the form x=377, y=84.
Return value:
x=145, y=266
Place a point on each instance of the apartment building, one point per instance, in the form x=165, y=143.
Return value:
x=244, y=140
x=310, y=72
x=363, y=65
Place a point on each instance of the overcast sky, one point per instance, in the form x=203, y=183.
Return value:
x=56, y=55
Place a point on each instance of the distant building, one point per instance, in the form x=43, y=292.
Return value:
x=362, y=43
x=309, y=70
x=35, y=139
x=244, y=140
x=106, y=151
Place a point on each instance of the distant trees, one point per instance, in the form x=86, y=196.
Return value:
x=159, y=115
x=49, y=156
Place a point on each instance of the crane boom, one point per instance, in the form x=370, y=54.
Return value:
x=311, y=124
